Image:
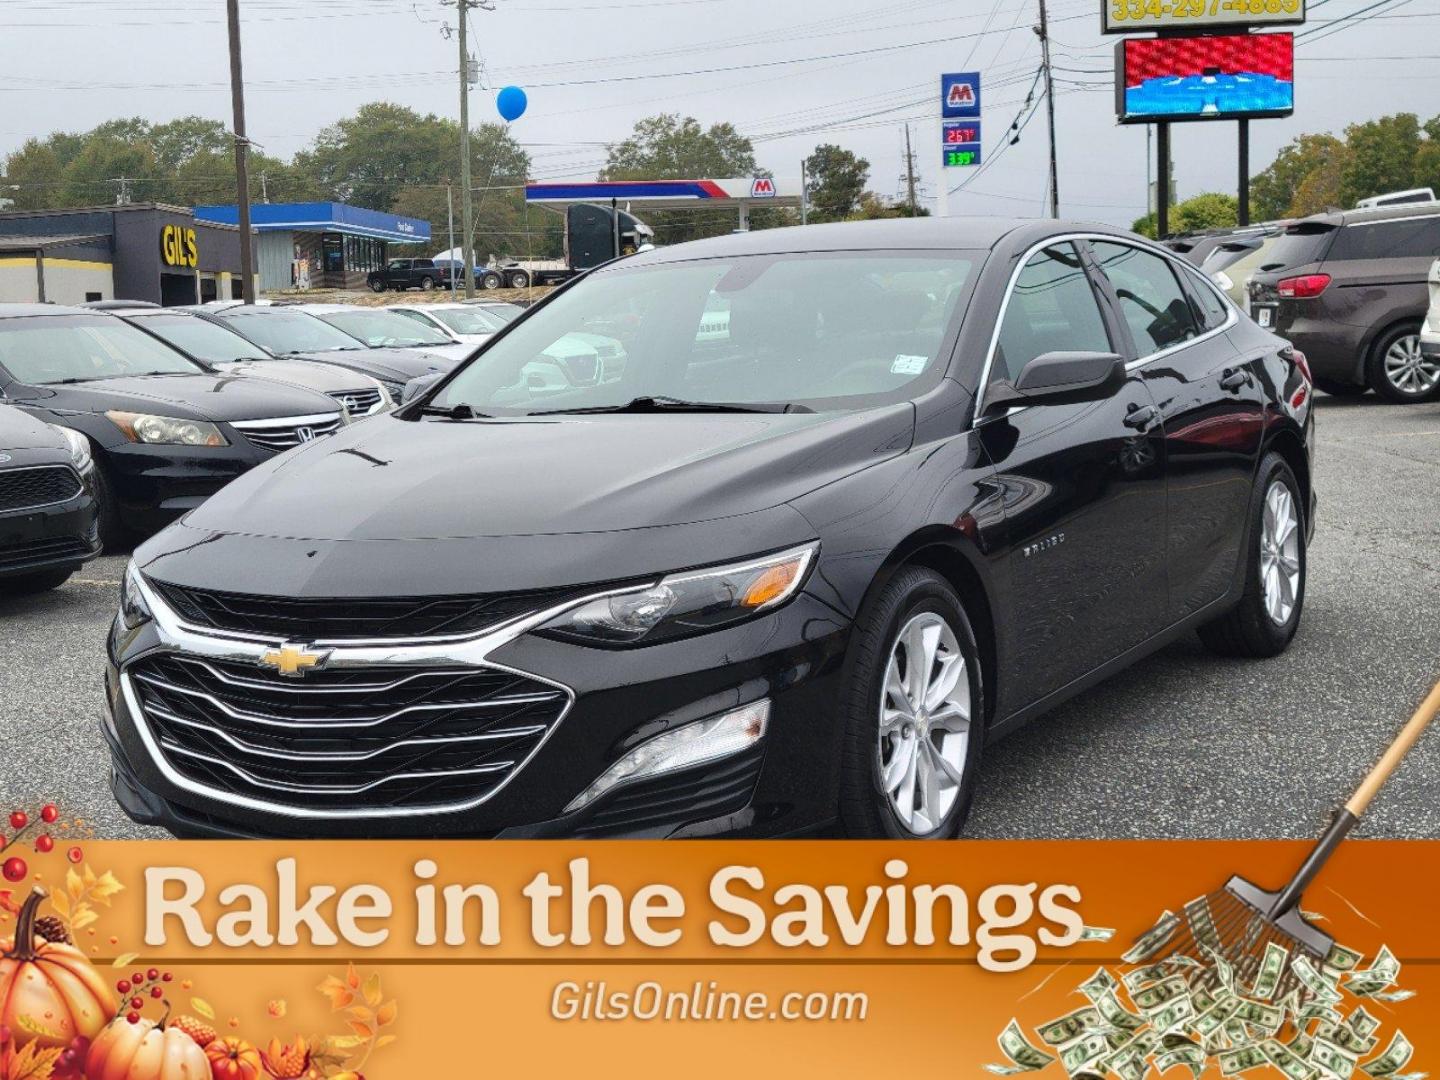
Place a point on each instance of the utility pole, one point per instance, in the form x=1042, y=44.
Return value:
x=1044, y=31
x=467, y=204
x=264, y=188
x=450, y=230
x=909, y=172
x=242, y=151
x=804, y=195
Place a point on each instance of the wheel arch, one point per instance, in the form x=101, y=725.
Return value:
x=1382, y=331
x=1288, y=445
x=956, y=560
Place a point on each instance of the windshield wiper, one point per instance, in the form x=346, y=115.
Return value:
x=454, y=412
x=652, y=404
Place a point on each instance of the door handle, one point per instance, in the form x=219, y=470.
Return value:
x=1234, y=379
x=1139, y=416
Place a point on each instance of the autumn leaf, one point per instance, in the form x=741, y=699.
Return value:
x=88, y=876
x=384, y=1041
x=343, y=1042
x=386, y=1014
x=61, y=903
x=124, y=959
x=365, y=1031
x=339, y=994
x=33, y=1063
x=352, y=977
x=73, y=884
x=203, y=1007
x=104, y=889
x=372, y=990
x=28, y=1023
x=277, y=1008
x=361, y=1013
x=83, y=917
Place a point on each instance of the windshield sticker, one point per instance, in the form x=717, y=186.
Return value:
x=908, y=365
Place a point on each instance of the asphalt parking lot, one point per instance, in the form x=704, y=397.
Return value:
x=1184, y=745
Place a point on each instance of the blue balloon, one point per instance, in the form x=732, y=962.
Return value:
x=511, y=102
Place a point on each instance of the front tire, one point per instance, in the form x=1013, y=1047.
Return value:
x=1264, y=622
x=42, y=581
x=1399, y=372
x=914, y=710
x=377, y=286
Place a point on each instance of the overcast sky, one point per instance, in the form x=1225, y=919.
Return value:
x=776, y=69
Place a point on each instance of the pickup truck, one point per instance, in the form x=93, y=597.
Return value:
x=402, y=274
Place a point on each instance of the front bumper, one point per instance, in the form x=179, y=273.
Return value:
x=50, y=537
x=155, y=484
x=786, y=785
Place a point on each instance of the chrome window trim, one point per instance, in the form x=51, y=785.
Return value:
x=56, y=502
x=175, y=637
x=1132, y=365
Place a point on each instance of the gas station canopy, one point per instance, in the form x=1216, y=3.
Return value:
x=740, y=193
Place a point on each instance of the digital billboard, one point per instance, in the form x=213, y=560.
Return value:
x=1220, y=77
x=1133, y=16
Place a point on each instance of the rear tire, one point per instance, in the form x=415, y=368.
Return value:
x=1264, y=622
x=427, y=284
x=519, y=279
x=891, y=747
x=1399, y=372
x=377, y=286
x=27, y=584
x=491, y=279
x=1341, y=389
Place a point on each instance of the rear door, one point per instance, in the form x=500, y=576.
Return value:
x=1211, y=405
x=1083, y=543
x=1379, y=270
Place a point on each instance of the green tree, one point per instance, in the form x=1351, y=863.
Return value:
x=1381, y=156
x=835, y=182
x=1427, y=158
x=1208, y=210
x=1273, y=191
x=368, y=158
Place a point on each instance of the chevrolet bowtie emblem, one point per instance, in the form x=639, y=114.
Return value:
x=293, y=661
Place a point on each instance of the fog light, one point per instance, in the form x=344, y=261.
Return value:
x=692, y=744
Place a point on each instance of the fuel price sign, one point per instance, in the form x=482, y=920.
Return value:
x=960, y=143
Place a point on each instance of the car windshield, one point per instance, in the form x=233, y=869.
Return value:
x=470, y=320
x=385, y=328
x=289, y=331
x=46, y=349
x=814, y=330
x=201, y=338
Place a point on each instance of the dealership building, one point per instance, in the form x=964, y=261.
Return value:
x=139, y=251
x=322, y=245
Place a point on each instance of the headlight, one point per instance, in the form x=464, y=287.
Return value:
x=133, y=609
x=687, y=603
x=1223, y=280
x=691, y=744
x=79, y=447
x=395, y=391
x=167, y=430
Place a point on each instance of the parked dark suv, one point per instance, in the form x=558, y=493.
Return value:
x=402, y=274
x=1349, y=289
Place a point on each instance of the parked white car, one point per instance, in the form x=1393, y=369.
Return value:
x=463, y=322
x=1430, y=328
x=381, y=328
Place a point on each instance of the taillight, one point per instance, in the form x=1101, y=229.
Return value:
x=1302, y=287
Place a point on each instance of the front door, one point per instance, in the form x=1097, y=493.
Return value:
x=1083, y=540
x=1211, y=402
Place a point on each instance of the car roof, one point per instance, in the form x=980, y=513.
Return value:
x=19, y=311
x=919, y=234
x=1361, y=215
x=430, y=307
x=328, y=309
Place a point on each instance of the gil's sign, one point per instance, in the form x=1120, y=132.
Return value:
x=177, y=246
x=1132, y=16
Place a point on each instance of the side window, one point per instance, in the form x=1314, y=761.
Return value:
x=1210, y=309
x=1150, y=297
x=1409, y=239
x=1052, y=308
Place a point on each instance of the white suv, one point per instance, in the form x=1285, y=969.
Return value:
x=1430, y=328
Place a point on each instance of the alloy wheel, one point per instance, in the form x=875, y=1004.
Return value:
x=924, y=737
x=1407, y=368
x=1280, y=553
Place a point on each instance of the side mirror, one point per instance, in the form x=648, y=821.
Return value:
x=418, y=385
x=1060, y=378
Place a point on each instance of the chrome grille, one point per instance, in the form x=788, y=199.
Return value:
x=287, y=432
x=358, y=402
x=44, y=485
x=344, y=739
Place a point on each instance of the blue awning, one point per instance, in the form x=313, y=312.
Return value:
x=323, y=217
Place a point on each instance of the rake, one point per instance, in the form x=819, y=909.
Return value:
x=1239, y=921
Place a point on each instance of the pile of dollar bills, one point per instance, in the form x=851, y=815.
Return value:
x=1197, y=1012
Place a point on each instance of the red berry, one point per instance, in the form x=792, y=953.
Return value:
x=49, y=814
x=133, y=1017
x=152, y=974
x=44, y=844
x=68, y=1058
x=15, y=869
x=123, y=986
x=19, y=819
x=166, y=977
x=137, y=1003
x=138, y=978
x=75, y=854
x=157, y=993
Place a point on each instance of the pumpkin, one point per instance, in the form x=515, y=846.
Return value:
x=233, y=1059
x=50, y=985
x=145, y=1051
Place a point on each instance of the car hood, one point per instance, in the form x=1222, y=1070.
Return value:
x=391, y=365
x=538, y=476
x=222, y=397
x=326, y=378
x=19, y=431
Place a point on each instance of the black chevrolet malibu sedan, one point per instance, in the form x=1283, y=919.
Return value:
x=912, y=484
x=165, y=432
x=47, y=504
